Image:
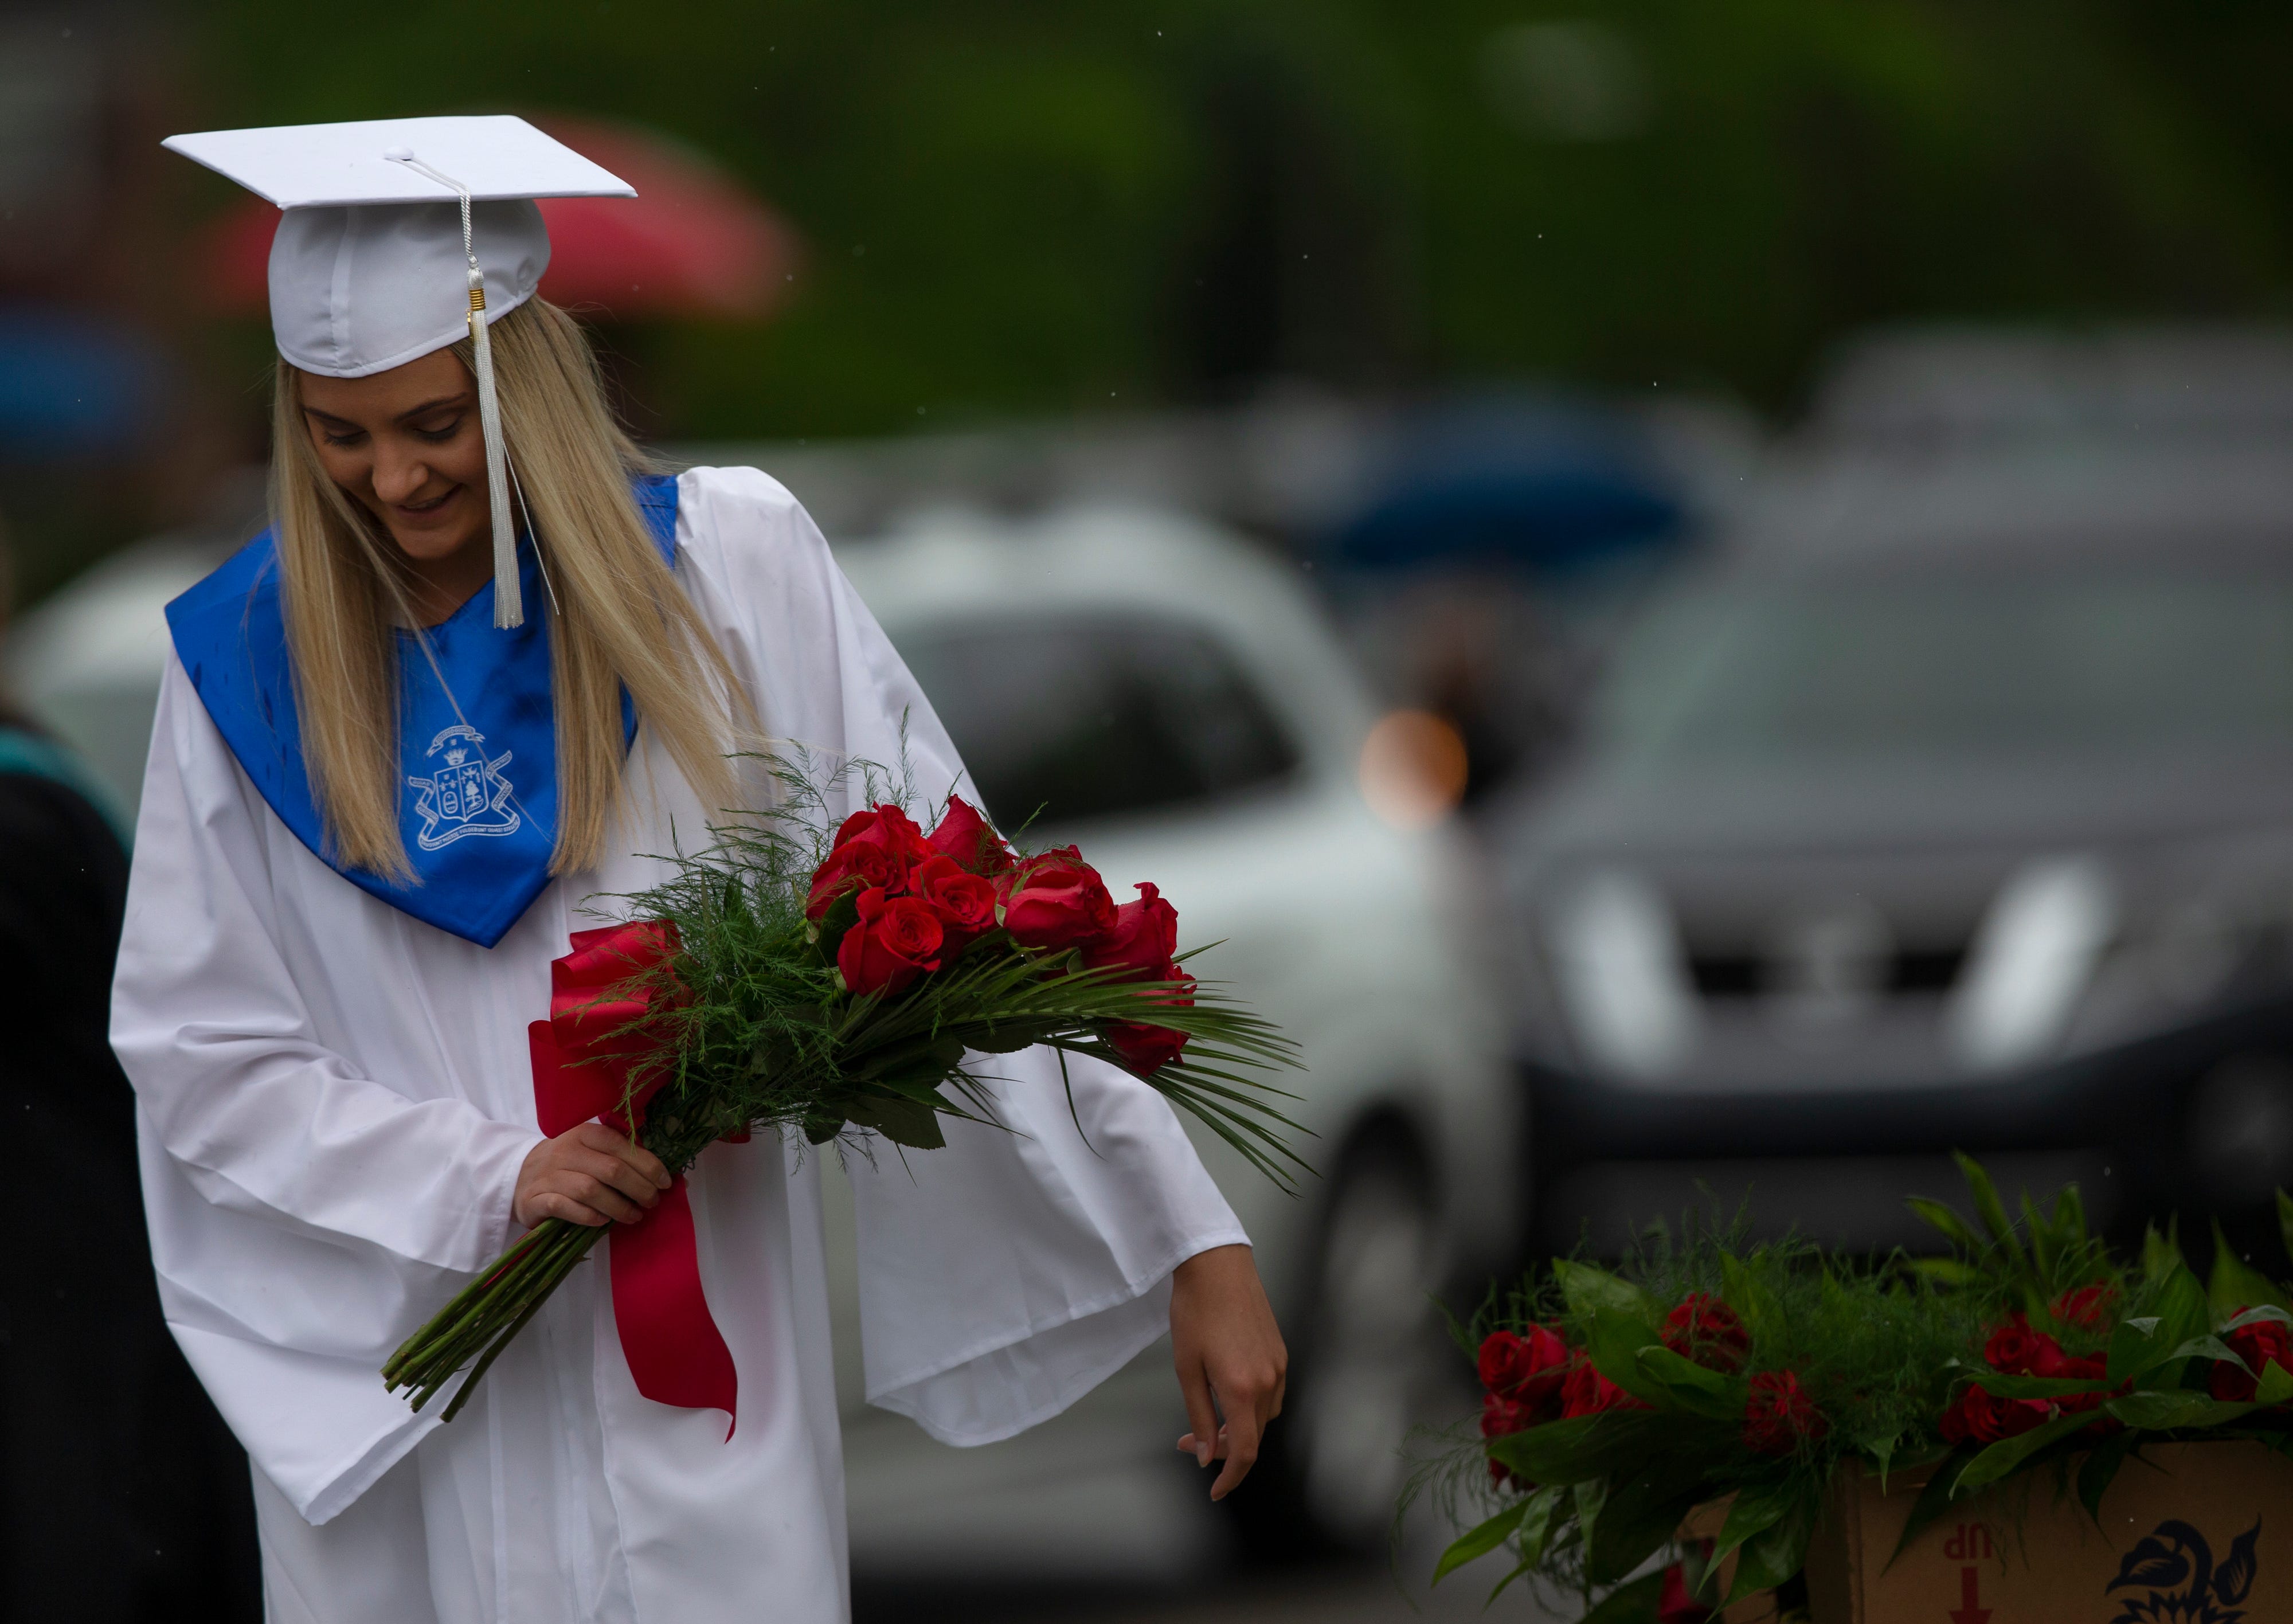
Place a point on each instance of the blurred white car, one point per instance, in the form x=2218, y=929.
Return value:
x=1171, y=698
x=87, y=662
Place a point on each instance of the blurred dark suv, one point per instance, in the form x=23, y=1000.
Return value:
x=1951, y=805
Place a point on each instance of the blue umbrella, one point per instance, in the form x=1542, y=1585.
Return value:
x=1537, y=485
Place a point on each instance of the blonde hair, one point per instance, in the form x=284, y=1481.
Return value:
x=619, y=618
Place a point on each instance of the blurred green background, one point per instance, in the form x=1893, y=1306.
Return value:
x=1027, y=209
x=1034, y=207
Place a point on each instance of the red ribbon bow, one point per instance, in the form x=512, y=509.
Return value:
x=582, y=1070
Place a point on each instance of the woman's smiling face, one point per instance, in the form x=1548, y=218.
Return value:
x=407, y=446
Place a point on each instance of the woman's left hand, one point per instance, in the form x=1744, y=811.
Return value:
x=1232, y=1365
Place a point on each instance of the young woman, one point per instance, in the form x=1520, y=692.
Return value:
x=373, y=816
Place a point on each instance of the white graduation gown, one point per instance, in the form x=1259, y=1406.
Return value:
x=334, y=1100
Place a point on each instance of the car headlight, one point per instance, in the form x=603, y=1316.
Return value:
x=2031, y=961
x=1620, y=975
x=2214, y=932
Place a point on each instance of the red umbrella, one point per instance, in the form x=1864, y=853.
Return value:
x=692, y=242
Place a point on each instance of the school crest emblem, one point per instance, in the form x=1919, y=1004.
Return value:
x=465, y=792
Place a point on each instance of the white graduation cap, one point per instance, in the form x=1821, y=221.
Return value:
x=399, y=237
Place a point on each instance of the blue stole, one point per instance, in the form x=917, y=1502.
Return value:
x=478, y=755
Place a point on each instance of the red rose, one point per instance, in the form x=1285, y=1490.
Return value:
x=1980, y=1418
x=886, y=826
x=965, y=902
x=1145, y=936
x=861, y=865
x=2261, y=1344
x=1057, y=901
x=1504, y=1413
x=1146, y=1048
x=1501, y=1416
x=1674, y=1604
x=2017, y=1350
x=1707, y=1330
x=2011, y=1417
x=896, y=939
x=872, y=848
x=1586, y=1391
x=970, y=839
x=1528, y=1370
x=2088, y=1308
x=2076, y=1403
x=1779, y=1414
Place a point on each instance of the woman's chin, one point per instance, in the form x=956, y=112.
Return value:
x=435, y=542
x=428, y=534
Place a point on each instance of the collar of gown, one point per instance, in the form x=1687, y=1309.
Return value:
x=478, y=749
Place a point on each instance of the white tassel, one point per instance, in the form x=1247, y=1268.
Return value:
x=509, y=601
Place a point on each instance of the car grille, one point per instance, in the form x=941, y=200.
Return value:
x=1724, y=975
x=1855, y=1202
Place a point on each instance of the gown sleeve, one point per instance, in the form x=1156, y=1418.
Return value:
x=1005, y=1276
x=302, y=1215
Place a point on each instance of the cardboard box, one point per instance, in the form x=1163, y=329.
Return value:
x=2191, y=1533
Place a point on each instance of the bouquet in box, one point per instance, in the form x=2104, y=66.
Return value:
x=785, y=979
x=1726, y=1387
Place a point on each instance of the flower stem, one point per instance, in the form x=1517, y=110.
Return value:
x=482, y=1319
x=471, y=1301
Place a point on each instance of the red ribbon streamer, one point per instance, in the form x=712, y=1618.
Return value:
x=580, y=1071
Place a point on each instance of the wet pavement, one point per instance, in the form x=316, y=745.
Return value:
x=1087, y=1552
x=1365, y=1593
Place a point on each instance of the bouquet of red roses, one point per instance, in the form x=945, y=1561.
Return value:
x=789, y=980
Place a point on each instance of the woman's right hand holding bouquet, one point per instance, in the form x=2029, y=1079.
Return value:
x=588, y=1175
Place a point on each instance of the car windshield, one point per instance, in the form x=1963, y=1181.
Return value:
x=1072, y=721
x=1938, y=664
